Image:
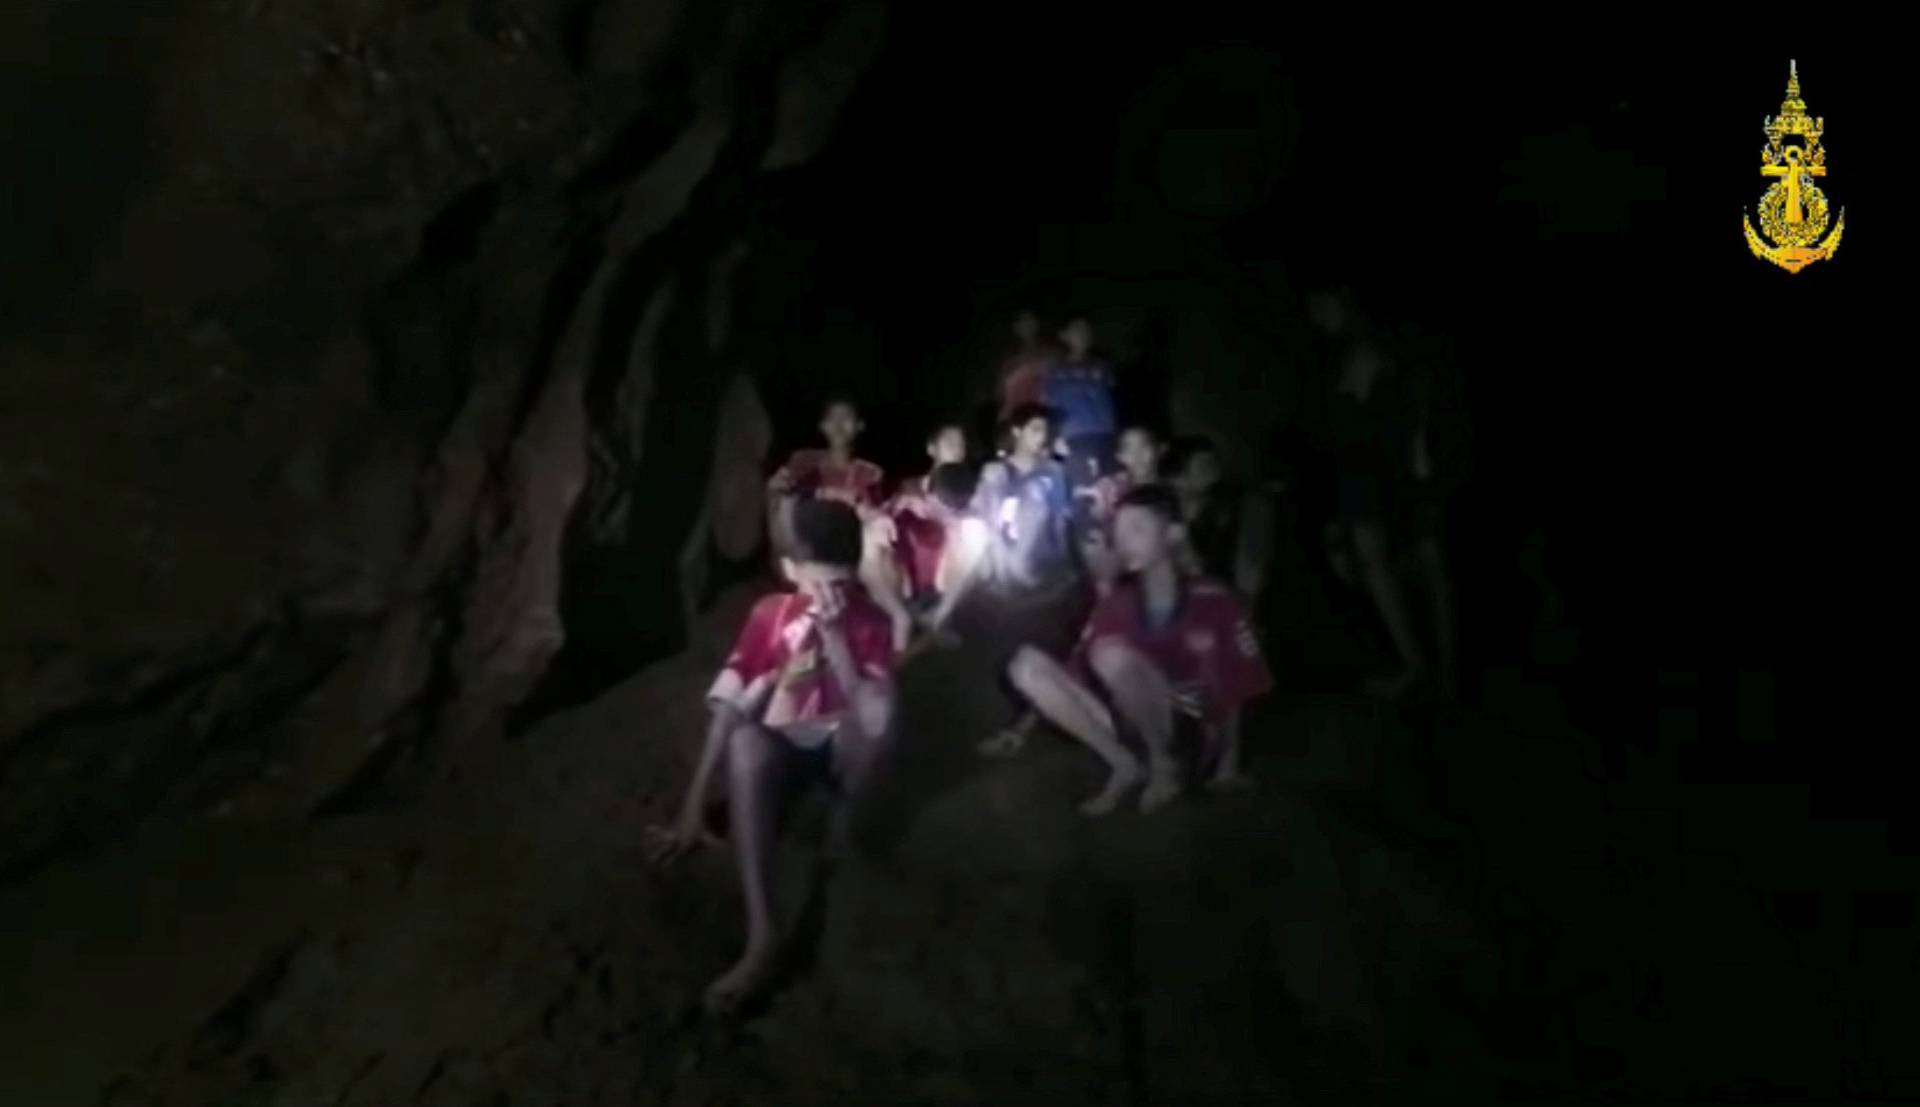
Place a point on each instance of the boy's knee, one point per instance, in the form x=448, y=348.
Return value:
x=1028, y=668
x=874, y=708
x=1112, y=661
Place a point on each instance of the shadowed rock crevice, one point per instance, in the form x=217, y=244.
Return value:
x=543, y=175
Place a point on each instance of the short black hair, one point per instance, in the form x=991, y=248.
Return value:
x=835, y=399
x=942, y=428
x=828, y=533
x=1027, y=413
x=1157, y=498
x=952, y=485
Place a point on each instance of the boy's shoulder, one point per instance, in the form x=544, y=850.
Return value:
x=1212, y=599
x=865, y=470
x=768, y=611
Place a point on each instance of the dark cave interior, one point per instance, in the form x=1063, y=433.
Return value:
x=372, y=367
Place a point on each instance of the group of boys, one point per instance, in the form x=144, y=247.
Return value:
x=808, y=685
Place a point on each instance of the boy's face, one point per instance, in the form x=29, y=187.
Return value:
x=1026, y=328
x=1142, y=538
x=840, y=425
x=1202, y=473
x=1078, y=336
x=949, y=447
x=1137, y=454
x=1030, y=437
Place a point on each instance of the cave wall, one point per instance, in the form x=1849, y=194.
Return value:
x=344, y=330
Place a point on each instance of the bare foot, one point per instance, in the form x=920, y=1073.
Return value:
x=1232, y=782
x=741, y=984
x=1124, y=777
x=1163, y=789
x=1394, y=686
x=1007, y=743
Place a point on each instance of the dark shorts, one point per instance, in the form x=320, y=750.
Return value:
x=805, y=766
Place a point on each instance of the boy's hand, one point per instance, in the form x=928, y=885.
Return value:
x=667, y=844
x=780, y=483
x=881, y=530
x=829, y=603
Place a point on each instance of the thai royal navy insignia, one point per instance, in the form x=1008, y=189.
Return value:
x=1793, y=211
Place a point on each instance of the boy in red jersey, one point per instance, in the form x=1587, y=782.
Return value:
x=1159, y=645
x=807, y=689
x=943, y=548
x=835, y=474
x=929, y=513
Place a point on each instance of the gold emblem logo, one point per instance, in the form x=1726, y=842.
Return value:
x=1793, y=212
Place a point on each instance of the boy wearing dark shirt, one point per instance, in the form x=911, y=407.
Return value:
x=1229, y=529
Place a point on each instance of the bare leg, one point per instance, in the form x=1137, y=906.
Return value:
x=882, y=578
x=1143, y=696
x=1225, y=755
x=1376, y=570
x=857, y=751
x=1433, y=563
x=1074, y=708
x=754, y=770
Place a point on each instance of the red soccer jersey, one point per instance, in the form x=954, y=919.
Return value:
x=918, y=546
x=1207, y=650
x=778, y=675
x=859, y=483
x=919, y=541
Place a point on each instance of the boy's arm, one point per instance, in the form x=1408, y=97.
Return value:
x=857, y=687
x=967, y=542
x=789, y=474
x=686, y=829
